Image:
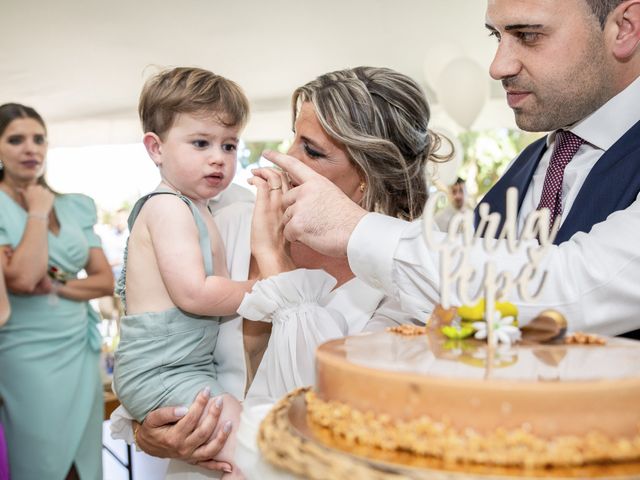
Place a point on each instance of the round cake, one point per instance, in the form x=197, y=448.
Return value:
x=457, y=400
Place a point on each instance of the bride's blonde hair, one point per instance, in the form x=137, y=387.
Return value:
x=381, y=117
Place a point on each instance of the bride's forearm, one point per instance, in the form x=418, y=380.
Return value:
x=256, y=338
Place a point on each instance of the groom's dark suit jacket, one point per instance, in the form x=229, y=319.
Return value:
x=612, y=184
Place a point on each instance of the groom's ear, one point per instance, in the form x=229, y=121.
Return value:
x=153, y=144
x=625, y=22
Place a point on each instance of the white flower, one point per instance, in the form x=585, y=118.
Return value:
x=503, y=330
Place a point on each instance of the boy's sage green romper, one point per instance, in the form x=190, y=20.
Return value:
x=165, y=358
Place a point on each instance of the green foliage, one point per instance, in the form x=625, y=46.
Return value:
x=488, y=153
x=252, y=150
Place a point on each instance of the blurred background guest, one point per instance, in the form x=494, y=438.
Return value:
x=49, y=348
x=114, y=240
x=457, y=204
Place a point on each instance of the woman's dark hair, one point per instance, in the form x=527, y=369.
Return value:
x=12, y=111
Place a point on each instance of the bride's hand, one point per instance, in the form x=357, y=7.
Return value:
x=268, y=245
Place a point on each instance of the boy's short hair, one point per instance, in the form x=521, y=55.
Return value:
x=193, y=91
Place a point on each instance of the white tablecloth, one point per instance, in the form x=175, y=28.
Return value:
x=248, y=456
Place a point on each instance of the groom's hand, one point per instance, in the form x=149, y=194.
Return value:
x=185, y=434
x=317, y=213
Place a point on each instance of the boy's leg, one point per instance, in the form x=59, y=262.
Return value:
x=229, y=418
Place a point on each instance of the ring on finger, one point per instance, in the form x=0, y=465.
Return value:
x=279, y=187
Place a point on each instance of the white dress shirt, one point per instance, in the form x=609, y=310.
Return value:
x=594, y=278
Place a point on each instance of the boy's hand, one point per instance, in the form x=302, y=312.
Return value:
x=317, y=213
x=171, y=432
x=268, y=245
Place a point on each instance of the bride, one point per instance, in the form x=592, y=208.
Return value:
x=365, y=129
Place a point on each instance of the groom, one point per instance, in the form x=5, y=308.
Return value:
x=587, y=167
x=571, y=68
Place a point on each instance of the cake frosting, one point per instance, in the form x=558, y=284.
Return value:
x=522, y=405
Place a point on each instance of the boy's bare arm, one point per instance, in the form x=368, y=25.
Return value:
x=174, y=237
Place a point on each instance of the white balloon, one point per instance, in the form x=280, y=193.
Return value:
x=463, y=88
x=437, y=58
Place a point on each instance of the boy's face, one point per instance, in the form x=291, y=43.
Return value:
x=198, y=155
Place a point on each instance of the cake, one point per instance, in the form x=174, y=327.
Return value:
x=523, y=405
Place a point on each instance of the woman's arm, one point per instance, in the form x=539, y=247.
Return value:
x=5, y=308
x=301, y=323
x=99, y=281
x=255, y=337
x=292, y=301
x=288, y=300
x=29, y=261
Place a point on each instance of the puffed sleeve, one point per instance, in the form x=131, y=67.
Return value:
x=293, y=302
x=272, y=298
x=86, y=215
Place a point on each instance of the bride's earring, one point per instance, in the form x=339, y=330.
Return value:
x=362, y=186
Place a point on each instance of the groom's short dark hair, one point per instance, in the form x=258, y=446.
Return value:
x=602, y=8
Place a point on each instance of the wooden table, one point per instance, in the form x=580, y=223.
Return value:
x=111, y=402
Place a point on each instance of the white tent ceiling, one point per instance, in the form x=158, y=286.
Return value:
x=82, y=63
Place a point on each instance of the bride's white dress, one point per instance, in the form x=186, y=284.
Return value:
x=304, y=310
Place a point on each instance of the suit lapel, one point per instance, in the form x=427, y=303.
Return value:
x=612, y=184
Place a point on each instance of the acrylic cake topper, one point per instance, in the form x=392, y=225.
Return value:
x=457, y=269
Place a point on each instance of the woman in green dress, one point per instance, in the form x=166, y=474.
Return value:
x=5, y=309
x=50, y=345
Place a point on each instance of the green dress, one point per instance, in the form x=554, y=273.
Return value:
x=49, y=353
